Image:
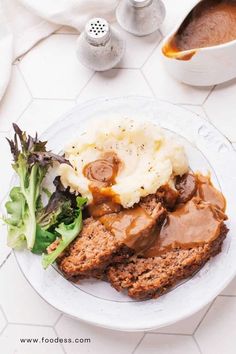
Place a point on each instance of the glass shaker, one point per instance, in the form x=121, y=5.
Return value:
x=140, y=17
x=100, y=47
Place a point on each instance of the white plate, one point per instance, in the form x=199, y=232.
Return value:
x=95, y=301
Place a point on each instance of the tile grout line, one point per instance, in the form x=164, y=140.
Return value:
x=201, y=114
x=197, y=344
x=205, y=313
x=204, y=109
x=126, y=68
x=56, y=322
x=204, y=316
x=186, y=104
x=5, y=260
x=63, y=348
x=6, y=319
x=138, y=344
x=218, y=130
x=61, y=344
x=153, y=50
x=205, y=112
x=4, y=327
x=45, y=98
x=4, y=314
x=148, y=84
x=178, y=104
x=171, y=334
x=211, y=90
x=24, y=80
x=83, y=88
x=191, y=105
x=19, y=117
x=29, y=324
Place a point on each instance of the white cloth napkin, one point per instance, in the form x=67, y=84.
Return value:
x=74, y=13
x=6, y=40
x=24, y=22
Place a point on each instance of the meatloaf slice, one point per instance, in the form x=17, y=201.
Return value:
x=146, y=278
x=97, y=247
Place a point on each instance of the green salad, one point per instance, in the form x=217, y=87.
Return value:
x=42, y=229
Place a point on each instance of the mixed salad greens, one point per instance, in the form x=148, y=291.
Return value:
x=42, y=229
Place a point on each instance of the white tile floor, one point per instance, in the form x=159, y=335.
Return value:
x=51, y=69
x=45, y=83
x=115, y=82
x=103, y=341
x=167, y=88
x=15, y=101
x=14, y=332
x=171, y=344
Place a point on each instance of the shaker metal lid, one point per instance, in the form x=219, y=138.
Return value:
x=97, y=31
x=140, y=3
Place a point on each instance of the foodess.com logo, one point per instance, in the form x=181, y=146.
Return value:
x=54, y=340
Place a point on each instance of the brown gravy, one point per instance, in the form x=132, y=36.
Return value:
x=196, y=222
x=128, y=226
x=208, y=193
x=195, y=211
x=102, y=174
x=191, y=224
x=210, y=23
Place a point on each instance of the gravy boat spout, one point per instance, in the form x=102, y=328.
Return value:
x=203, y=65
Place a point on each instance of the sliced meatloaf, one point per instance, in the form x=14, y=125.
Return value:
x=97, y=245
x=146, y=278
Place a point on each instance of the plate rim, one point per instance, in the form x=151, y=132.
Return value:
x=192, y=309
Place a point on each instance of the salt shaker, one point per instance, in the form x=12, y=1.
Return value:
x=100, y=47
x=140, y=17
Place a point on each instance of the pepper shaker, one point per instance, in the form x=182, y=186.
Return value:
x=100, y=47
x=140, y=17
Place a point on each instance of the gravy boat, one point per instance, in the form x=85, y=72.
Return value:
x=201, y=66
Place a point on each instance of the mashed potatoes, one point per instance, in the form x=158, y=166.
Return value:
x=149, y=159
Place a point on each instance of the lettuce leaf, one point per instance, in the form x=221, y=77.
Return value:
x=43, y=239
x=31, y=163
x=68, y=233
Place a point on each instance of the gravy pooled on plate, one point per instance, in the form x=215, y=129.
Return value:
x=197, y=218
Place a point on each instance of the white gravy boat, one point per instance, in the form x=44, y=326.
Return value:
x=202, y=66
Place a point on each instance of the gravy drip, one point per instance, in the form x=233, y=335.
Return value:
x=208, y=193
x=102, y=174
